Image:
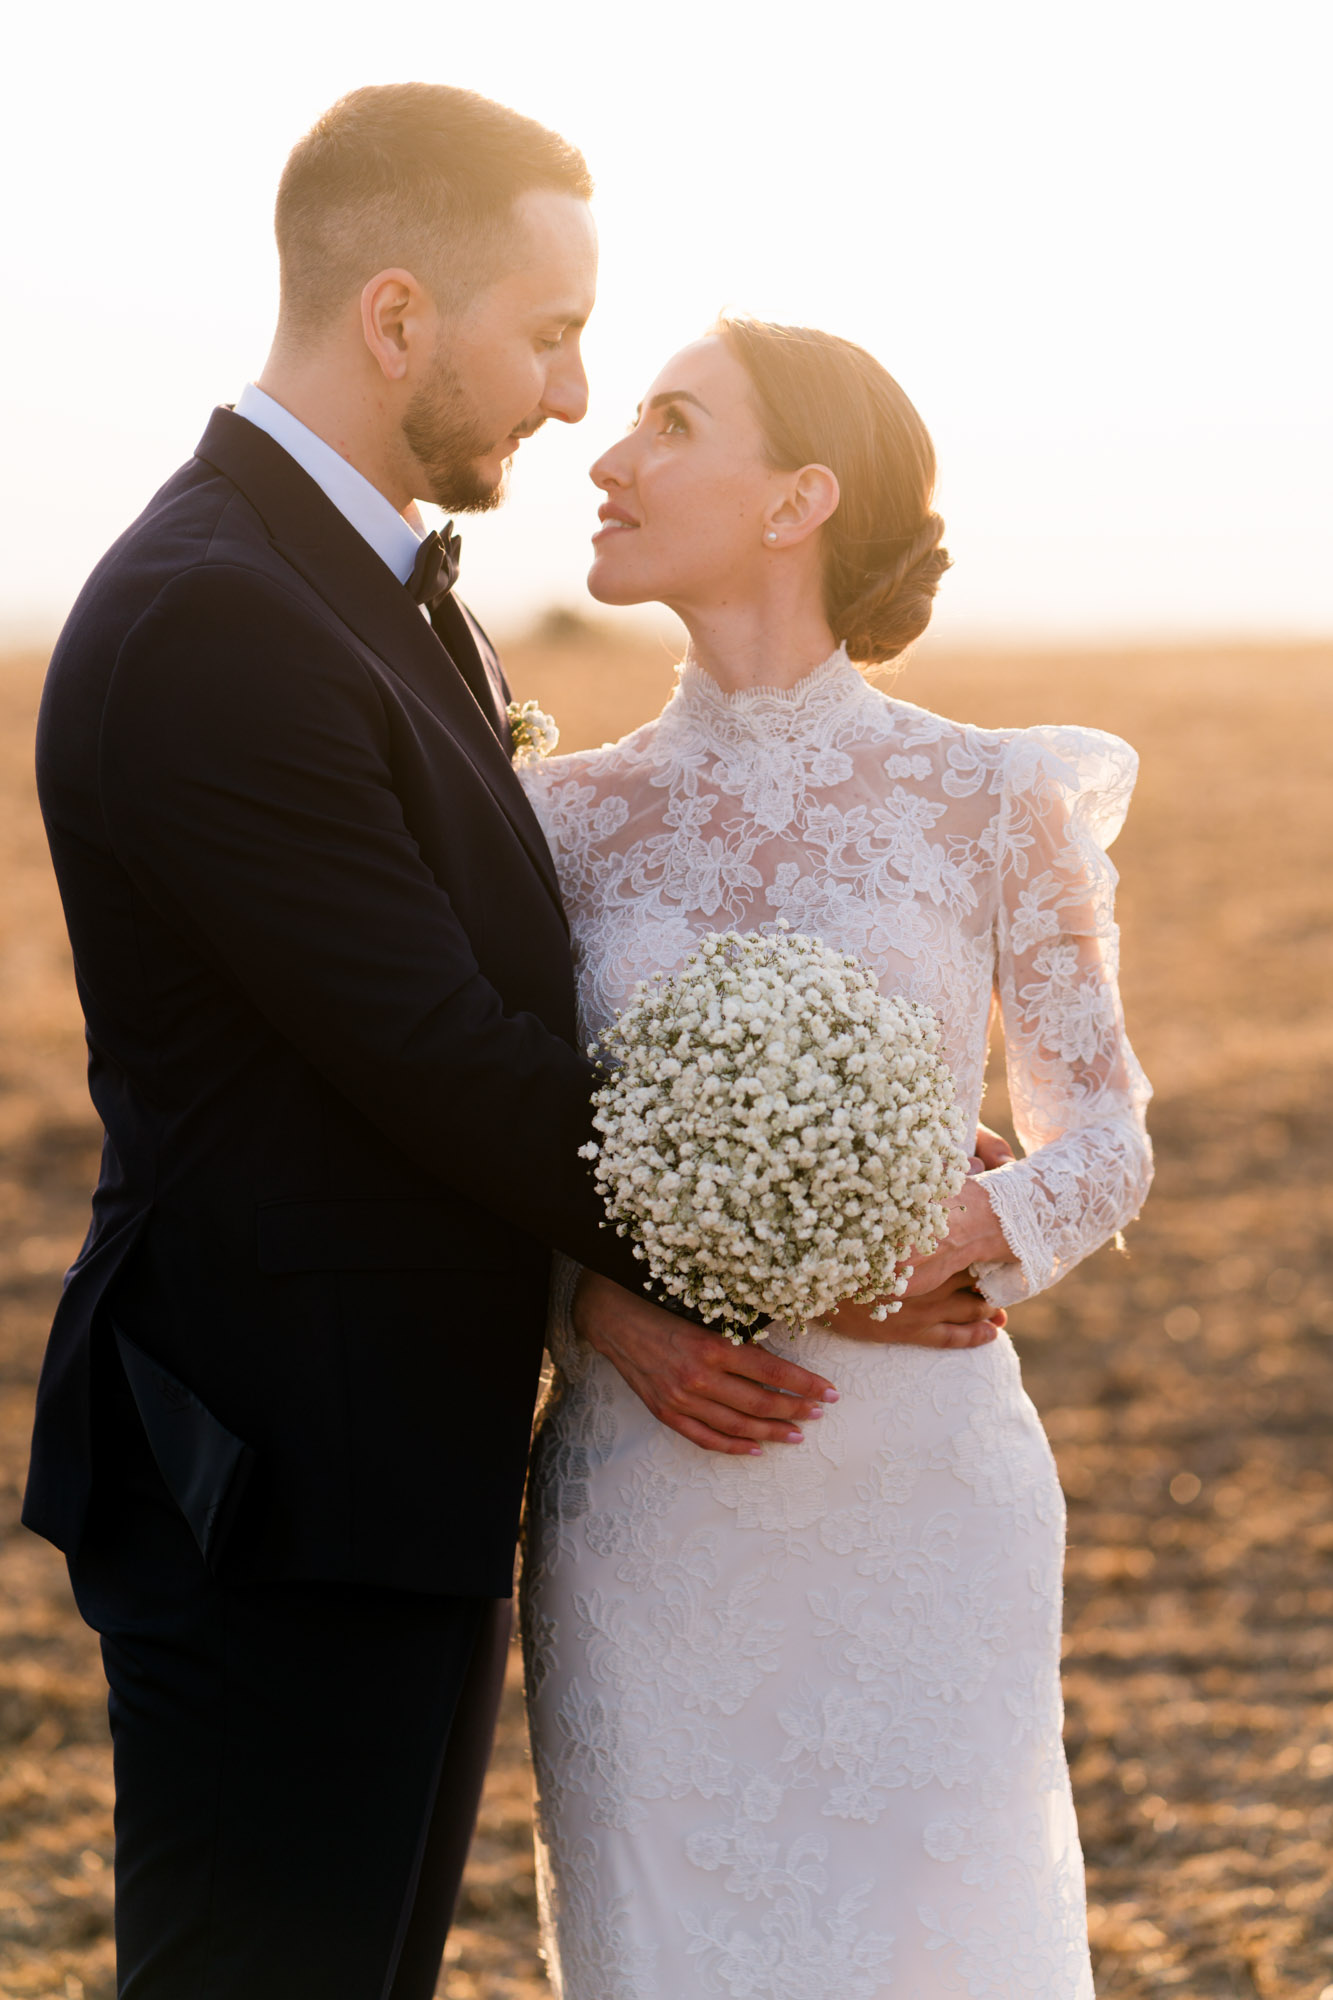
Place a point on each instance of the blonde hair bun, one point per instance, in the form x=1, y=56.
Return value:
x=895, y=606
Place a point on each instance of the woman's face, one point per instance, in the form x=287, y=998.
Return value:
x=687, y=491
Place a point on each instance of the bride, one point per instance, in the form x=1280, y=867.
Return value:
x=796, y=1714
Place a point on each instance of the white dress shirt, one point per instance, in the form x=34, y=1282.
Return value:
x=394, y=537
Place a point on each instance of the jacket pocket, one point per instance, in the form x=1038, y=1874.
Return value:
x=387, y=1234
x=204, y=1467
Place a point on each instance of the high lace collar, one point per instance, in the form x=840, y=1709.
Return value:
x=779, y=712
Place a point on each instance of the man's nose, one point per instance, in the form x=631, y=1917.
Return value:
x=567, y=389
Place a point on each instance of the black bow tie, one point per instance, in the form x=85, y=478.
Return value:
x=435, y=571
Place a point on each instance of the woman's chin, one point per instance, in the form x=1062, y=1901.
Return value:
x=608, y=588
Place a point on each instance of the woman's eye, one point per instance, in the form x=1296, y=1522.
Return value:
x=673, y=423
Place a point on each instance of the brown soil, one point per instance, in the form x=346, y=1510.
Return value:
x=1188, y=1387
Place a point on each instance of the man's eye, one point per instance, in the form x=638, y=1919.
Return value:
x=547, y=344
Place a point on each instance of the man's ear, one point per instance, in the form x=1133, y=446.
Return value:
x=810, y=497
x=395, y=319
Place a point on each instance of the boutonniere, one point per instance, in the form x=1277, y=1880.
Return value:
x=534, y=732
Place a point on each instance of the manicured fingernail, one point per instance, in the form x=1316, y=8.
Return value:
x=831, y=1396
x=818, y=1411
x=794, y=1437
x=756, y=1451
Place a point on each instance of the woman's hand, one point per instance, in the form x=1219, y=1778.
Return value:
x=991, y=1151
x=954, y=1314
x=942, y=1306
x=725, y=1398
x=975, y=1237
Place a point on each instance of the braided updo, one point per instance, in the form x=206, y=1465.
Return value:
x=824, y=401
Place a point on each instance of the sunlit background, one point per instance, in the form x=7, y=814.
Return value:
x=1092, y=242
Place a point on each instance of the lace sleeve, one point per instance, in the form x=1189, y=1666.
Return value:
x=1077, y=1093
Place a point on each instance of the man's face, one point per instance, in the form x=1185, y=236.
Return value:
x=509, y=359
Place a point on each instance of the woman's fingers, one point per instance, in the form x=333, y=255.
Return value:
x=942, y=1318
x=707, y=1397
x=729, y=1422
x=731, y=1390
x=936, y=1271
x=956, y=1299
x=952, y=1323
x=721, y=1428
x=749, y=1399
x=710, y=1387
x=760, y=1364
x=710, y=1440
x=956, y=1333
x=991, y=1149
x=673, y=1365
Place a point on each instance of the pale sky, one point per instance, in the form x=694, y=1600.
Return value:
x=1091, y=242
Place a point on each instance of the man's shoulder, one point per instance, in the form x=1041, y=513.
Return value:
x=198, y=539
x=201, y=518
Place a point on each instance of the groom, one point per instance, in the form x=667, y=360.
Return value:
x=284, y=1415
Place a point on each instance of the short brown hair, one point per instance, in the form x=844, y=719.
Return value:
x=412, y=174
x=825, y=401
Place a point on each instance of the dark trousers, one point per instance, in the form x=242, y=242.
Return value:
x=298, y=1765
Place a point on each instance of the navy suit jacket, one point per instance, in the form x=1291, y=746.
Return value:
x=329, y=1000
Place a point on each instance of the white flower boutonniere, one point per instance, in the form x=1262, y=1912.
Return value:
x=534, y=731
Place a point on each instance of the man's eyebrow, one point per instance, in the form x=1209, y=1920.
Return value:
x=570, y=316
x=675, y=396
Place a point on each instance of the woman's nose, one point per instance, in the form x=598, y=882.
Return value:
x=612, y=468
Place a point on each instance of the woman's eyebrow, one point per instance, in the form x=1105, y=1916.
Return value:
x=674, y=396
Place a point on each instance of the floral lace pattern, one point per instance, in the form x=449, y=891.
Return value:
x=796, y=1718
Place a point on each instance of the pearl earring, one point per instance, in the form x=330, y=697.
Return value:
x=772, y=535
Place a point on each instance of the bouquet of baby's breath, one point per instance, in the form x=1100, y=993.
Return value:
x=776, y=1134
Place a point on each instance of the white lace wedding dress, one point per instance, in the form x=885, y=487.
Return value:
x=796, y=1718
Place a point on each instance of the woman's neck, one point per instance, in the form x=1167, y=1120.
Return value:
x=744, y=646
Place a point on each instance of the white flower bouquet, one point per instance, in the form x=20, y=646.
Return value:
x=777, y=1135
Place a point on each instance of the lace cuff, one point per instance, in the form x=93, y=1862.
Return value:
x=1001, y=1283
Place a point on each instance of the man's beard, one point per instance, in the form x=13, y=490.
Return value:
x=446, y=438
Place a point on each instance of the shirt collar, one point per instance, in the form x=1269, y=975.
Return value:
x=394, y=537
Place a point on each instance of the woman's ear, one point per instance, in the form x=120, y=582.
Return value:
x=810, y=496
x=394, y=316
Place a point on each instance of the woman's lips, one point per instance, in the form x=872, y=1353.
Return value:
x=612, y=524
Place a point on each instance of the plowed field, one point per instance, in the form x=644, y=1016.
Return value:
x=1187, y=1386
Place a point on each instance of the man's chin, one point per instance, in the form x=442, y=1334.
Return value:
x=480, y=491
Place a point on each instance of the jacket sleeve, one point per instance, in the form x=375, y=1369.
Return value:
x=247, y=791
x=1077, y=1093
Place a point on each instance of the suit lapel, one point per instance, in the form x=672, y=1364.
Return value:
x=455, y=634
x=308, y=531
x=468, y=628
